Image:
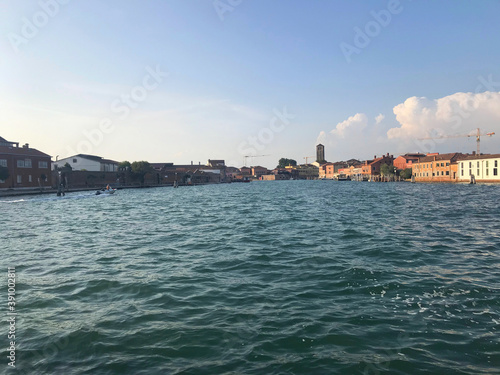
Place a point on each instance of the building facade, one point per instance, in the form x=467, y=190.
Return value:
x=91, y=163
x=27, y=167
x=481, y=168
x=406, y=161
x=437, y=168
x=371, y=168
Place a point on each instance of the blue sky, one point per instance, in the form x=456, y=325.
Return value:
x=251, y=77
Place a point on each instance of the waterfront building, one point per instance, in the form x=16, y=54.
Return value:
x=437, y=167
x=27, y=167
x=371, y=168
x=406, y=161
x=481, y=168
x=213, y=172
x=258, y=171
x=304, y=172
x=84, y=162
x=326, y=171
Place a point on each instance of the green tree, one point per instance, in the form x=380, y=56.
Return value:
x=284, y=162
x=140, y=169
x=406, y=174
x=4, y=173
x=67, y=166
x=122, y=166
x=386, y=170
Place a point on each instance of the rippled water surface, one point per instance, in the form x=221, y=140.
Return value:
x=288, y=277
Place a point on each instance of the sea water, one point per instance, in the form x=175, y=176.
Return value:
x=281, y=277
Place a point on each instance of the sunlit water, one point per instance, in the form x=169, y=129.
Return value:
x=288, y=277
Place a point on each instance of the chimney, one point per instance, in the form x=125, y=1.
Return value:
x=374, y=156
x=473, y=152
x=26, y=145
x=191, y=162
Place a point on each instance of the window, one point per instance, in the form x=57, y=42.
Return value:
x=30, y=179
x=496, y=163
x=487, y=172
x=74, y=160
x=2, y=181
x=432, y=174
x=495, y=172
x=470, y=164
x=3, y=162
x=43, y=164
x=462, y=172
x=447, y=173
x=442, y=164
x=486, y=163
x=477, y=174
x=24, y=163
x=19, y=179
x=478, y=164
x=447, y=164
x=470, y=172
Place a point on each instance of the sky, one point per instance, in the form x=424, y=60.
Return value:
x=249, y=81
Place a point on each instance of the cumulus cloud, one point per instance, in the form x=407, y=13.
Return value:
x=353, y=124
x=353, y=137
x=450, y=115
x=379, y=118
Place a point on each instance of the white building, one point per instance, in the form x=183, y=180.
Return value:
x=91, y=163
x=484, y=168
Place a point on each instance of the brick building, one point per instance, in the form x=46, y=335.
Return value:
x=27, y=167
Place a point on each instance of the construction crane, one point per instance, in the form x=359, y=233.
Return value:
x=477, y=135
x=308, y=157
x=252, y=156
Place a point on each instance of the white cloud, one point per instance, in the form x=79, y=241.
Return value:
x=353, y=124
x=379, y=118
x=459, y=113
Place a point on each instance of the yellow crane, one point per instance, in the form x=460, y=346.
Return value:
x=252, y=156
x=477, y=135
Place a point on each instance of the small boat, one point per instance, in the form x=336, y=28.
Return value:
x=105, y=191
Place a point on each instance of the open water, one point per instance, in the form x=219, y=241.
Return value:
x=288, y=277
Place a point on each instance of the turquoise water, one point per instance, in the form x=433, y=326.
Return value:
x=288, y=277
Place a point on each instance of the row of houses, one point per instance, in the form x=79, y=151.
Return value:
x=26, y=167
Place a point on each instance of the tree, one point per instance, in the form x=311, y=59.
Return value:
x=140, y=169
x=386, y=170
x=66, y=166
x=284, y=162
x=406, y=174
x=122, y=166
x=4, y=173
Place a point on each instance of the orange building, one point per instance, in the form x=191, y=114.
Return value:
x=438, y=167
x=371, y=168
x=406, y=161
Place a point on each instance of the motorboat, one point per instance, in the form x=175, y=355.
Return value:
x=105, y=191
